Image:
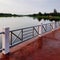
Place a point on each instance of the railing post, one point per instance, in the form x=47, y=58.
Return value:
x=53, y=24
x=5, y=41
x=40, y=29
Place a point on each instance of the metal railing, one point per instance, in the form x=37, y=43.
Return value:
x=20, y=35
x=23, y=34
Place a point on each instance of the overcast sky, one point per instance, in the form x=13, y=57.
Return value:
x=28, y=6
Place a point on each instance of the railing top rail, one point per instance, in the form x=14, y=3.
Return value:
x=24, y=28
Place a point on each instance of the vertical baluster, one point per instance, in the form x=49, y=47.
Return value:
x=46, y=27
x=58, y=24
x=22, y=34
x=33, y=32
x=51, y=26
x=38, y=30
x=11, y=38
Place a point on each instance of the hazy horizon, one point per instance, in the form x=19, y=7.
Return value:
x=28, y=6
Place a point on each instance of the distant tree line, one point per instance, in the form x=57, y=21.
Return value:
x=9, y=15
x=54, y=13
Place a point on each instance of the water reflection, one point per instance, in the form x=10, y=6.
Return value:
x=39, y=19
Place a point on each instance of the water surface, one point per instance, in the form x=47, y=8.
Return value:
x=19, y=22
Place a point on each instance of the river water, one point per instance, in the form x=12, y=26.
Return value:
x=19, y=22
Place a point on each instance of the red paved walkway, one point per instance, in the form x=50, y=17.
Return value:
x=49, y=49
